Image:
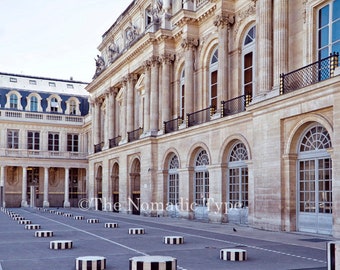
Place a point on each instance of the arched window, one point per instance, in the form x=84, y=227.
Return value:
x=73, y=107
x=13, y=101
x=238, y=176
x=173, y=187
x=34, y=104
x=201, y=179
x=248, y=56
x=182, y=94
x=213, y=79
x=54, y=105
x=314, y=186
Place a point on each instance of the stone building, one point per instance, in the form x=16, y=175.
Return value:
x=220, y=110
x=44, y=141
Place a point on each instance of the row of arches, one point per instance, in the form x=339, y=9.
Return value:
x=313, y=181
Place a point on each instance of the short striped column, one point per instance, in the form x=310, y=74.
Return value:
x=173, y=240
x=152, y=262
x=68, y=215
x=59, y=213
x=13, y=215
x=91, y=263
x=93, y=220
x=233, y=254
x=79, y=217
x=111, y=225
x=61, y=244
x=136, y=231
x=51, y=211
x=25, y=221
x=43, y=234
x=32, y=226
x=47, y=210
x=18, y=218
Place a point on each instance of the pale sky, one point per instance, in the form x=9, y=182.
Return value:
x=54, y=38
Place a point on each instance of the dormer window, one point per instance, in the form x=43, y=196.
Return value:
x=13, y=101
x=54, y=105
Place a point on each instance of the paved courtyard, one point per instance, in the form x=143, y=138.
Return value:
x=21, y=249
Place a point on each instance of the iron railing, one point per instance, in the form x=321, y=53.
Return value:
x=134, y=134
x=172, y=125
x=235, y=105
x=98, y=147
x=313, y=73
x=200, y=117
x=114, y=142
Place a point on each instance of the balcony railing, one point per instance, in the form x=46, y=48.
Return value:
x=313, y=73
x=172, y=125
x=114, y=142
x=199, y=117
x=27, y=153
x=98, y=147
x=14, y=115
x=235, y=105
x=134, y=134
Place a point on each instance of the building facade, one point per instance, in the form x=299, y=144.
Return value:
x=220, y=110
x=44, y=145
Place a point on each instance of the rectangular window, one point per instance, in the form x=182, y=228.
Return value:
x=53, y=141
x=13, y=80
x=32, y=82
x=33, y=140
x=70, y=86
x=13, y=139
x=72, y=142
x=52, y=84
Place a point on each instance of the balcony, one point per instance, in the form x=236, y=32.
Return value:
x=26, y=153
x=172, y=125
x=114, y=142
x=308, y=75
x=13, y=115
x=235, y=105
x=199, y=117
x=134, y=134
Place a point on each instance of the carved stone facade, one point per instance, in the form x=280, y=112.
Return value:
x=207, y=128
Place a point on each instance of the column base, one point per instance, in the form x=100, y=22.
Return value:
x=67, y=205
x=24, y=203
x=46, y=204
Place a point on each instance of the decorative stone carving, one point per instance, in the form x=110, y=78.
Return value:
x=189, y=43
x=167, y=58
x=100, y=66
x=241, y=15
x=224, y=20
x=131, y=33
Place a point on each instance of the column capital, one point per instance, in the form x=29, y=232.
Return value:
x=189, y=43
x=224, y=20
x=146, y=65
x=167, y=58
x=154, y=60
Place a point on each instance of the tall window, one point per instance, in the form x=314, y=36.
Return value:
x=173, y=187
x=54, y=105
x=34, y=104
x=329, y=29
x=201, y=179
x=33, y=140
x=13, y=101
x=238, y=176
x=181, y=95
x=72, y=142
x=53, y=141
x=73, y=107
x=13, y=139
x=213, y=79
x=248, y=53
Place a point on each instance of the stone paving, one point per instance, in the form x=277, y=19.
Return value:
x=118, y=238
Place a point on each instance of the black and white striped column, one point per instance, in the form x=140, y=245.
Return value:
x=32, y=226
x=233, y=254
x=111, y=225
x=61, y=244
x=136, y=231
x=91, y=263
x=25, y=221
x=79, y=217
x=173, y=240
x=43, y=234
x=153, y=263
x=93, y=220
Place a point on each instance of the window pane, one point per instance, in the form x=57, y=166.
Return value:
x=336, y=10
x=323, y=16
x=323, y=37
x=336, y=47
x=336, y=31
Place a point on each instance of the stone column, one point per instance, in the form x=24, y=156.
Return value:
x=2, y=186
x=264, y=47
x=96, y=122
x=166, y=60
x=223, y=23
x=130, y=105
x=66, y=188
x=280, y=40
x=147, y=80
x=24, y=187
x=154, y=96
x=189, y=45
x=123, y=112
x=46, y=202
